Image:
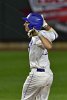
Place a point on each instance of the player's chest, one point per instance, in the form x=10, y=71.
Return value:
x=32, y=45
x=33, y=42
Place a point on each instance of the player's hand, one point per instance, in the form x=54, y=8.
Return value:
x=33, y=32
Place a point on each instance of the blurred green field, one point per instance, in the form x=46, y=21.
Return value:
x=14, y=68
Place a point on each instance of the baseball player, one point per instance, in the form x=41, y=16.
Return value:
x=38, y=83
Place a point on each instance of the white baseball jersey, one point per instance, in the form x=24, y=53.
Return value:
x=38, y=56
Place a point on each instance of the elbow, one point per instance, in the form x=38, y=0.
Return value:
x=49, y=47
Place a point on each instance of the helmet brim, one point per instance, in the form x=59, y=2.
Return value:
x=25, y=19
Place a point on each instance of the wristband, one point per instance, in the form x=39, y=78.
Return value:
x=44, y=23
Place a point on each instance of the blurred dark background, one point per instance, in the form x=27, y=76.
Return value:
x=11, y=13
x=11, y=24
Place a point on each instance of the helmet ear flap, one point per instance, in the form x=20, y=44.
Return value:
x=30, y=26
x=33, y=26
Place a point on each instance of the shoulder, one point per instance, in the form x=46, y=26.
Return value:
x=45, y=33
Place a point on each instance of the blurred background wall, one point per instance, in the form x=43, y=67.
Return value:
x=12, y=11
x=11, y=20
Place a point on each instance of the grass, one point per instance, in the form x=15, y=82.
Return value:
x=14, y=68
x=59, y=67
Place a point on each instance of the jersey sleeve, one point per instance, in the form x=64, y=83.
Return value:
x=50, y=35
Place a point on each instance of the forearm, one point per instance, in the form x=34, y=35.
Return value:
x=47, y=27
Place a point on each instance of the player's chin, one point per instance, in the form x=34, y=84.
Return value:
x=26, y=30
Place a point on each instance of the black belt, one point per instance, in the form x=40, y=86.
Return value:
x=40, y=70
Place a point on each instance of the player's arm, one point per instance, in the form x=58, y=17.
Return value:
x=46, y=26
x=46, y=43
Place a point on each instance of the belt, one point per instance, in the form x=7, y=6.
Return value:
x=40, y=70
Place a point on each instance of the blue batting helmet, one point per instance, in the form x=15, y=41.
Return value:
x=35, y=20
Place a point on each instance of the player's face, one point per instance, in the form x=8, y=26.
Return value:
x=26, y=26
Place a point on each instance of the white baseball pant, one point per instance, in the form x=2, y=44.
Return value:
x=37, y=85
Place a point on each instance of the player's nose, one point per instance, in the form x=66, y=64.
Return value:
x=24, y=24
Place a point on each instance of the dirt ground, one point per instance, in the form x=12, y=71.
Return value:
x=24, y=46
